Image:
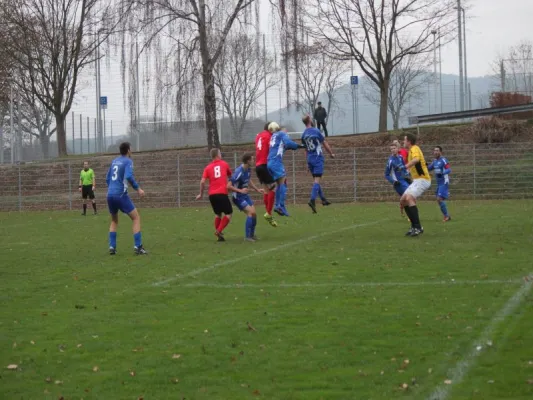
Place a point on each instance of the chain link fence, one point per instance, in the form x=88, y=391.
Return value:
x=171, y=178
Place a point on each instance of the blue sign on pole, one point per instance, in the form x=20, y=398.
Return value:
x=103, y=102
x=354, y=80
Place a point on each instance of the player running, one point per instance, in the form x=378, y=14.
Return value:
x=396, y=173
x=262, y=146
x=120, y=173
x=278, y=143
x=421, y=182
x=240, y=180
x=87, y=186
x=313, y=140
x=217, y=173
x=442, y=169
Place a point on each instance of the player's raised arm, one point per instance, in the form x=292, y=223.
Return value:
x=388, y=175
x=289, y=144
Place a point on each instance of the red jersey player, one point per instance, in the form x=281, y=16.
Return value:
x=262, y=147
x=217, y=173
x=402, y=151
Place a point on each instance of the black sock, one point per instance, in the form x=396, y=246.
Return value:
x=409, y=213
x=94, y=207
x=85, y=208
x=416, y=218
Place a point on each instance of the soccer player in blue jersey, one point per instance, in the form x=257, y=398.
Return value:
x=441, y=167
x=313, y=141
x=396, y=173
x=240, y=181
x=278, y=143
x=119, y=175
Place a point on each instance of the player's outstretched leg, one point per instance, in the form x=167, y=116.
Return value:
x=113, y=234
x=269, y=198
x=444, y=209
x=137, y=236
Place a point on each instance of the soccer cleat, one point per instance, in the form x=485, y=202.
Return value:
x=270, y=219
x=279, y=211
x=410, y=232
x=83, y=214
x=221, y=239
x=140, y=251
x=325, y=202
x=249, y=239
x=312, y=205
x=446, y=219
x=255, y=238
x=416, y=232
x=284, y=211
x=112, y=251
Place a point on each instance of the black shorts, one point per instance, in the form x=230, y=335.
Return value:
x=87, y=191
x=264, y=175
x=221, y=204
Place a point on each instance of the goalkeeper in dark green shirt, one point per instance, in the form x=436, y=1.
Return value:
x=87, y=186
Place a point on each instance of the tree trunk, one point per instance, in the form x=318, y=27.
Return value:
x=383, y=105
x=45, y=141
x=210, y=108
x=395, y=121
x=61, y=135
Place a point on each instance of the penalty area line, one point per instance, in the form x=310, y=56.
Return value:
x=351, y=284
x=199, y=271
x=461, y=369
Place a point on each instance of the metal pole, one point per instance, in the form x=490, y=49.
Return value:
x=1, y=145
x=97, y=72
x=461, y=84
x=235, y=159
x=138, y=95
x=11, y=124
x=105, y=141
x=73, y=125
x=357, y=108
x=88, y=136
x=440, y=74
x=81, y=134
x=112, y=132
x=435, y=68
x=20, y=189
x=502, y=76
x=264, y=64
x=294, y=177
x=353, y=99
x=466, y=73
x=354, y=177
x=95, y=136
x=454, y=97
x=69, y=186
x=469, y=96
x=179, y=183
x=474, y=158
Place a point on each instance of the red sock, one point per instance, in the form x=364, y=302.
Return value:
x=271, y=201
x=265, y=200
x=217, y=222
x=223, y=223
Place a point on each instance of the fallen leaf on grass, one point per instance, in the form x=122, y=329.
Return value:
x=430, y=370
x=405, y=386
x=174, y=380
x=95, y=368
x=256, y=393
x=48, y=379
x=79, y=345
x=382, y=372
x=58, y=382
x=176, y=356
x=61, y=398
x=44, y=314
x=491, y=381
x=448, y=381
x=32, y=342
x=132, y=373
x=244, y=385
x=530, y=381
x=12, y=366
x=250, y=327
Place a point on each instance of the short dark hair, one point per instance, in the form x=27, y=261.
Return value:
x=438, y=147
x=124, y=148
x=411, y=138
x=319, y=103
x=307, y=119
x=246, y=157
x=214, y=153
x=266, y=126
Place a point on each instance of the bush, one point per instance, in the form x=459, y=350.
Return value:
x=494, y=130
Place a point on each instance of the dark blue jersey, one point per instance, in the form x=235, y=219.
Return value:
x=442, y=170
x=120, y=173
x=312, y=139
x=240, y=180
x=278, y=143
x=395, y=169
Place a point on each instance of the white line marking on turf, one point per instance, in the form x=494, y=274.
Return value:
x=349, y=284
x=461, y=369
x=258, y=253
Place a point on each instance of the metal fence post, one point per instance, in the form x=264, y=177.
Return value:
x=179, y=183
x=20, y=189
x=354, y=177
x=474, y=157
x=235, y=160
x=294, y=177
x=69, y=187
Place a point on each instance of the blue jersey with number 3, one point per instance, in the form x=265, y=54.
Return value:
x=119, y=174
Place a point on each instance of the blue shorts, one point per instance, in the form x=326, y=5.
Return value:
x=316, y=167
x=120, y=203
x=442, y=191
x=401, y=188
x=277, y=170
x=241, y=202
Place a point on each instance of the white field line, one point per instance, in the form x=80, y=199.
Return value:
x=351, y=284
x=199, y=271
x=461, y=369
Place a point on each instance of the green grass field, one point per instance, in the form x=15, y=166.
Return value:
x=338, y=305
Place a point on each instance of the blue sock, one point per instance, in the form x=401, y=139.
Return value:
x=443, y=208
x=137, y=237
x=315, y=191
x=254, y=223
x=283, y=195
x=249, y=227
x=113, y=240
x=278, y=197
x=320, y=193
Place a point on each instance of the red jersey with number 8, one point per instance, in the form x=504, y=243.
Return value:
x=262, y=146
x=217, y=173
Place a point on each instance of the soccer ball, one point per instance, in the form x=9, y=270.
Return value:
x=273, y=127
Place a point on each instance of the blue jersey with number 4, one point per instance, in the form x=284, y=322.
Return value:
x=119, y=175
x=312, y=139
x=278, y=143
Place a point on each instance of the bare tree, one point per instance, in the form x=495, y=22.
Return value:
x=54, y=40
x=242, y=75
x=378, y=34
x=515, y=69
x=407, y=84
x=212, y=21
